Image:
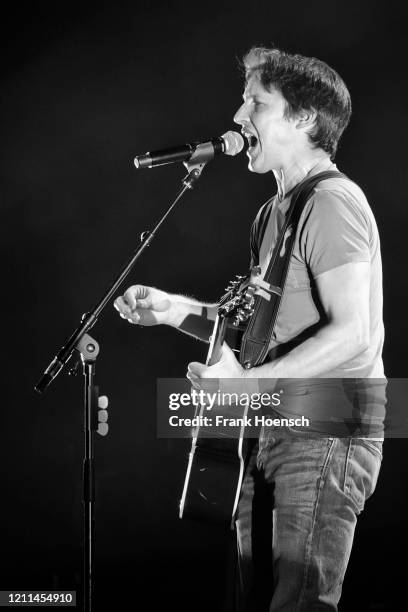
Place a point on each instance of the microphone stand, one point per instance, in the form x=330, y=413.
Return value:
x=88, y=350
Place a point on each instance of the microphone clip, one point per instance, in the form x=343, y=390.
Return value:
x=194, y=173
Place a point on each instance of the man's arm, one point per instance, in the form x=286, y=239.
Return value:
x=344, y=294
x=149, y=306
x=192, y=317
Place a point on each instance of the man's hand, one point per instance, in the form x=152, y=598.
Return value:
x=144, y=305
x=227, y=367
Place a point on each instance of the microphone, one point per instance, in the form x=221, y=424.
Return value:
x=230, y=143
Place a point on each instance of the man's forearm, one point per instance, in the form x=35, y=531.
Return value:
x=192, y=317
x=325, y=351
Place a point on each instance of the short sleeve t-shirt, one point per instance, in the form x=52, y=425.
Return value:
x=337, y=227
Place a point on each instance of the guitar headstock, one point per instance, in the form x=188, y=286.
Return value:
x=237, y=306
x=239, y=301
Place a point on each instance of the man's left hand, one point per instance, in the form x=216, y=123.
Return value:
x=227, y=367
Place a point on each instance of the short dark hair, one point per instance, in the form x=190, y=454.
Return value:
x=306, y=83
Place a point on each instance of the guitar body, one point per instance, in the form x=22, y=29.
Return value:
x=213, y=480
x=217, y=460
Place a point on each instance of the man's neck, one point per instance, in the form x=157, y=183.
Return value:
x=295, y=170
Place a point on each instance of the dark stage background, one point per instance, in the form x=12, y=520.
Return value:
x=84, y=89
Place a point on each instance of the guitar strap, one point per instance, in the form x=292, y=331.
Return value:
x=257, y=336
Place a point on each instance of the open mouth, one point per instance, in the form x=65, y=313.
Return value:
x=252, y=140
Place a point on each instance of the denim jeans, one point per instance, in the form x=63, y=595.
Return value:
x=296, y=519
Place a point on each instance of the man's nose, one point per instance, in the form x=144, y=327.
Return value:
x=241, y=116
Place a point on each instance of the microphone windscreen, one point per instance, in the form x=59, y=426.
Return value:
x=233, y=143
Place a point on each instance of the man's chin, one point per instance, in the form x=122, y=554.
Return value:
x=258, y=168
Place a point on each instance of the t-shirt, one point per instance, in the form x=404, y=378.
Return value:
x=336, y=227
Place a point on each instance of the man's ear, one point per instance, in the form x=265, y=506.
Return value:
x=306, y=119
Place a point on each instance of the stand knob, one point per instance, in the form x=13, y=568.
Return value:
x=103, y=426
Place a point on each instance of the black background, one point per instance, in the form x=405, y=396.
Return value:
x=84, y=89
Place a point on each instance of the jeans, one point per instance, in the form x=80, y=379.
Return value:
x=296, y=519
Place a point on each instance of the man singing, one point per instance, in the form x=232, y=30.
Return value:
x=328, y=330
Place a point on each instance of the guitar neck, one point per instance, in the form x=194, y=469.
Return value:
x=217, y=339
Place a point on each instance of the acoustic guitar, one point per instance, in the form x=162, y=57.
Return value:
x=217, y=457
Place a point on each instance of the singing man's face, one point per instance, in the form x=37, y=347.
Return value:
x=271, y=137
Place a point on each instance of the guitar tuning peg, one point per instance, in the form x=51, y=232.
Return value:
x=240, y=317
x=244, y=315
x=232, y=286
